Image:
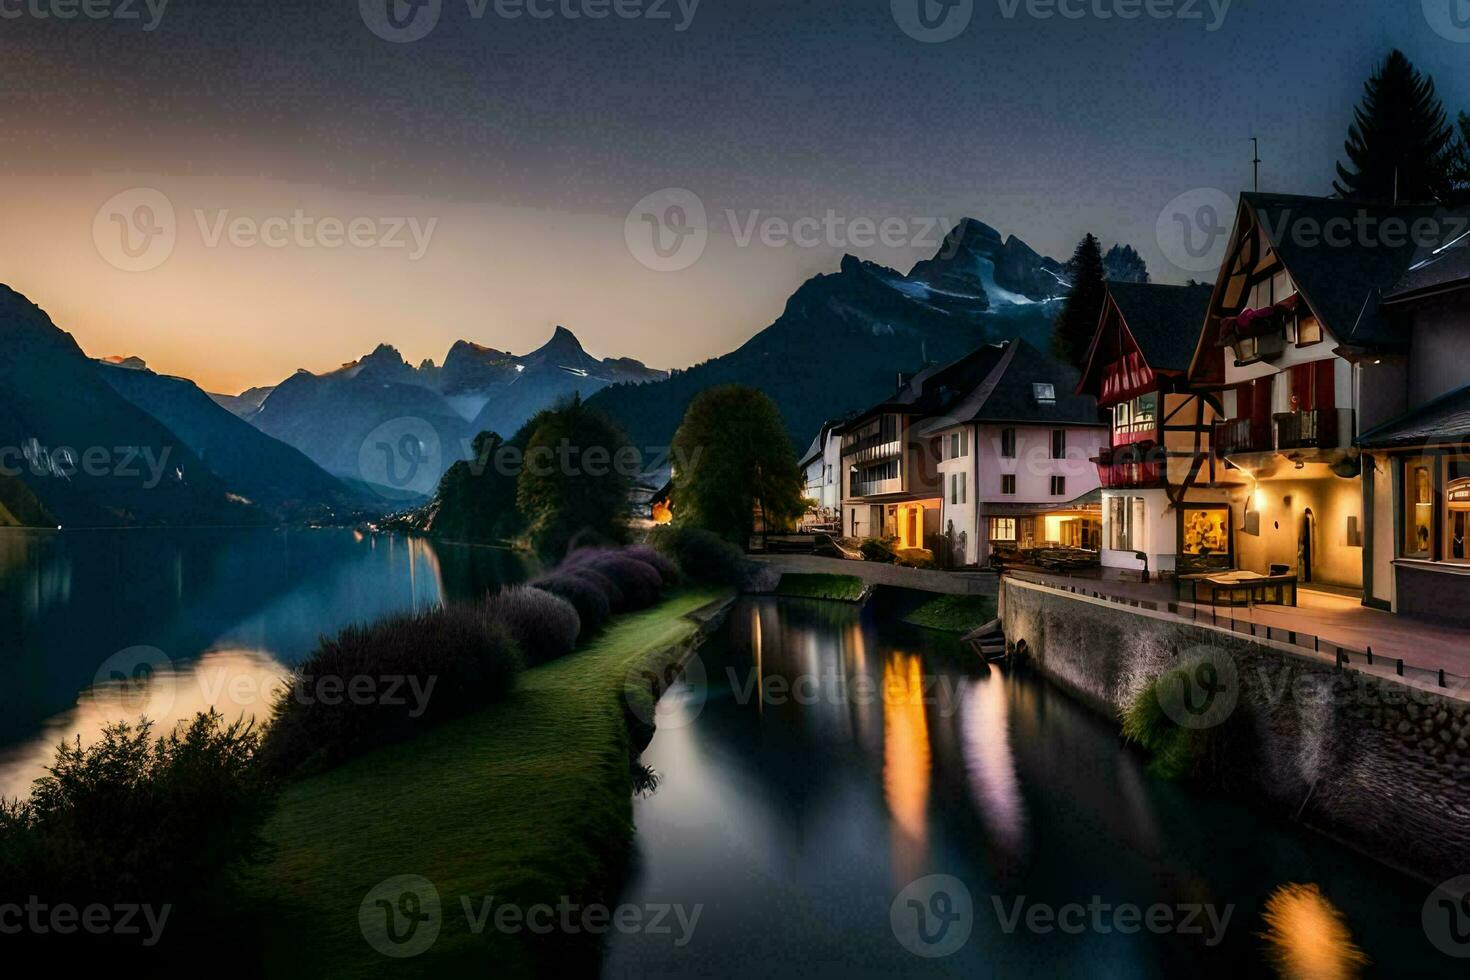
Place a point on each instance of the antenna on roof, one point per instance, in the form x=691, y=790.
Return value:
x=1256, y=163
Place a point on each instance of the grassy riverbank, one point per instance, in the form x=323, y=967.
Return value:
x=954, y=613
x=843, y=588
x=528, y=801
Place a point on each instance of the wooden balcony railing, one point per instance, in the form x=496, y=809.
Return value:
x=1238, y=436
x=1315, y=429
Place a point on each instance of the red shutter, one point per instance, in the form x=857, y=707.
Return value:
x=1260, y=411
x=1323, y=396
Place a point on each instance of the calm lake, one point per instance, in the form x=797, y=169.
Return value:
x=212, y=617
x=804, y=827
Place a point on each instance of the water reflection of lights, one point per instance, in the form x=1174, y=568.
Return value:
x=990, y=764
x=906, y=761
x=1307, y=938
x=236, y=683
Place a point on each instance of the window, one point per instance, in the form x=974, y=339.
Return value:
x=1045, y=394
x=1002, y=529
x=1308, y=330
x=1058, y=443
x=1008, y=483
x=1457, y=510
x=1058, y=486
x=1418, y=507
x=957, y=488
x=1008, y=443
x=1125, y=523
x=959, y=444
x=1140, y=414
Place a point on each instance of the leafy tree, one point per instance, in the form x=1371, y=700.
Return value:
x=1397, y=144
x=575, y=480
x=1124, y=264
x=476, y=500
x=1077, y=321
x=737, y=461
x=1458, y=162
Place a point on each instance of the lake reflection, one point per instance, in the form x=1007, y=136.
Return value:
x=795, y=820
x=215, y=617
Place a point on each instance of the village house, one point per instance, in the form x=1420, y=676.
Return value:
x=987, y=452
x=1303, y=355
x=1163, y=506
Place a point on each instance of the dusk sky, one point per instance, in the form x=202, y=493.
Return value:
x=516, y=148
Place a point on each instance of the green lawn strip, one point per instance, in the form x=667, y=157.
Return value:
x=845, y=588
x=527, y=800
x=954, y=613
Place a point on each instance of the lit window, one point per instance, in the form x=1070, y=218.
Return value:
x=1002, y=529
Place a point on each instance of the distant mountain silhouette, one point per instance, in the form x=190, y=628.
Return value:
x=75, y=452
x=265, y=471
x=844, y=337
x=330, y=416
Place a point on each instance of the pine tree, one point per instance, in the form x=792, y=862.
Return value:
x=1124, y=264
x=1075, y=325
x=1397, y=143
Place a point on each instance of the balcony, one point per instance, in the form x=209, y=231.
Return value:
x=874, y=488
x=1137, y=466
x=1316, y=429
x=1236, y=437
x=870, y=448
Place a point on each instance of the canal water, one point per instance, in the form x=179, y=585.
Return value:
x=883, y=810
x=212, y=618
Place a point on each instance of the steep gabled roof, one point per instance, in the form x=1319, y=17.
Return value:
x=1343, y=277
x=1446, y=419
x=1165, y=321
x=1006, y=393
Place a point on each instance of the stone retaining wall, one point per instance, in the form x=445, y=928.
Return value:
x=1381, y=765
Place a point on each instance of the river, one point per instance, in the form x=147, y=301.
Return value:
x=798, y=834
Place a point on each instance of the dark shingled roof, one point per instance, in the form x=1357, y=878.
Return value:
x=1442, y=264
x=1165, y=320
x=1344, y=282
x=1004, y=392
x=1446, y=419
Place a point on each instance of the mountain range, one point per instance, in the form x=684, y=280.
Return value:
x=844, y=337
x=338, y=418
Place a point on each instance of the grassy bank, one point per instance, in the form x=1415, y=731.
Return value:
x=843, y=588
x=527, y=801
x=953, y=613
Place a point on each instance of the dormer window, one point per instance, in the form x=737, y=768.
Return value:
x=1045, y=394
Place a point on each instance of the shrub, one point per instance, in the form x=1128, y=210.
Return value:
x=544, y=626
x=915, y=558
x=661, y=563
x=1178, y=753
x=702, y=555
x=640, y=583
x=874, y=549
x=377, y=684
x=586, y=596
x=136, y=819
x=599, y=580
